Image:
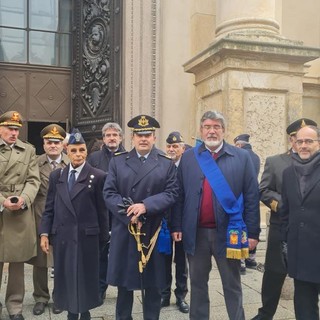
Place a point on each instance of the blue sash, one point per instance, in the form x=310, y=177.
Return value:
x=237, y=239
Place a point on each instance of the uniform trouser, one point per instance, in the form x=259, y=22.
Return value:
x=272, y=283
x=151, y=308
x=103, y=268
x=15, y=287
x=40, y=284
x=200, y=266
x=181, y=273
x=306, y=299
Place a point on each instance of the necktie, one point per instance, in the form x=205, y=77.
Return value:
x=54, y=165
x=72, y=179
x=143, y=159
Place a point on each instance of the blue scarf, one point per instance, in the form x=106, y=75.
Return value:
x=237, y=239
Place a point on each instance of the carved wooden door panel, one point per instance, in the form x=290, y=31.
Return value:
x=96, y=65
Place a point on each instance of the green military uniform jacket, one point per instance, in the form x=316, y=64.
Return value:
x=42, y=259
x=19, y=175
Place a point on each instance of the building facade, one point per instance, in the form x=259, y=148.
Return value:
x=83, y=63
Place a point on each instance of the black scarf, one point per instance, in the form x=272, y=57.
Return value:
x=304, y=168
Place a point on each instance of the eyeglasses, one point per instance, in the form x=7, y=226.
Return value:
x=308, y=142
x=214, y=127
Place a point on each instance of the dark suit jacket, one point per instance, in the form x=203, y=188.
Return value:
x=153, y=183
x=100, y=159
x=270, y=194
x=301, y=224
x=76, y=222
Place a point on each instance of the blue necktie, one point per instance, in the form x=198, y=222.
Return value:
x=72, y=179
x=143, y=159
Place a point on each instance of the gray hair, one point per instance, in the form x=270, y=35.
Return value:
x=213, y=115
x=112, y=125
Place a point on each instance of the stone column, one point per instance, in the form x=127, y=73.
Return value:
x=252, y=74
x=235, y=15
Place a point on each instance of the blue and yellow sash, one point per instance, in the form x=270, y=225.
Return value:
x=237, y=239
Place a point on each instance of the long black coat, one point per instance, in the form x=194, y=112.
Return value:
x=153, y=183
x=300, y=215
x=270, y=193
x=76, y=222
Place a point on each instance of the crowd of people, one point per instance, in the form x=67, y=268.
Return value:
x=122, y=218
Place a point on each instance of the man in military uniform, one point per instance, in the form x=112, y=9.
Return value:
x=242, y=141
x=112, y=137
x=270, y=194
x=52, y=159
x=144, y=180
x=175, y=147
x=19, y=184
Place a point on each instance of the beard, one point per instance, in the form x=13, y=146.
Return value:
x=210, y=143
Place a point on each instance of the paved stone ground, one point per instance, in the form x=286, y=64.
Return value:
x=251, y=284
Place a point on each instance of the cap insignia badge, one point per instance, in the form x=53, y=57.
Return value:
x=143, y=121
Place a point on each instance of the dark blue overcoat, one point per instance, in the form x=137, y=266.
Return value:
x=153, y=183
x=238, y=170
x=76, y=222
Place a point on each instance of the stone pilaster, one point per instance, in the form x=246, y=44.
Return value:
x=141, y=64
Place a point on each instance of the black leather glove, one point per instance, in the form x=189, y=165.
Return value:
x=127, y=202
x=284, y=251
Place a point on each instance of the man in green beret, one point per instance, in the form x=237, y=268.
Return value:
x=52, y=158
x=19, y=184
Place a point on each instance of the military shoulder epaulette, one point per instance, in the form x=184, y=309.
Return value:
x=164, y=155
x=122, y=152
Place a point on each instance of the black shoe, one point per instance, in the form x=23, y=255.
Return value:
x=55, y=310
x=165, y=302
x=72, y=316
x=183, y=306
x=251, y=264
x=16, y=316
x=243, y=270
x=39, y=308
x=85, y=316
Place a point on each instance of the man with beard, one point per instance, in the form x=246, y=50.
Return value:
x=218, y=201
x=175, y=147
x=112, y=137
x=301, y=224
x=275, y=271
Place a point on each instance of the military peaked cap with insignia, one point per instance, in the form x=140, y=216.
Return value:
x=296, y=125
x=76, y=137
x=11, y=119
x=53, y=132
x=174, y=137
x=143, y=124
x=242, y=137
